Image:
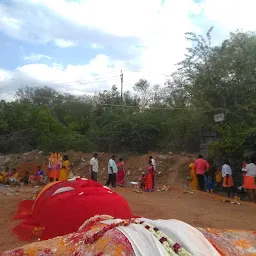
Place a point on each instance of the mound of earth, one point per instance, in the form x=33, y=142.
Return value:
x=172, y=169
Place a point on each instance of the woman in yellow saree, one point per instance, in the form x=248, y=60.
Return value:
x=64, y=169
x=193, y=183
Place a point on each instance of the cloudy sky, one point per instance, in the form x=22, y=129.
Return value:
x=80, y=46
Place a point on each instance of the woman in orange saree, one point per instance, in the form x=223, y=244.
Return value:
x=149, y=177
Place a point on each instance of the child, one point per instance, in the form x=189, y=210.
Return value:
x=218, y=178
x=209, y=177
x=25, y=179
x=142, y=180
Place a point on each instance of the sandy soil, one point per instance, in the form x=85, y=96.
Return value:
x=199, y=209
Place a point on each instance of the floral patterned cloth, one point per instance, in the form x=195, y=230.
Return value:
x=113, y=242
x=95, y=238
x=231, y=242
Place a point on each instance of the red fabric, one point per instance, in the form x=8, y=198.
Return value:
x=65, y=212
x=201, y=166
x=228, y=182
x=149, y=178
x=120, y=174
x=24, y=210
x=249, y=182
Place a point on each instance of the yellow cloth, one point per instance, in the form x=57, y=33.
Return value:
x=64, y=172
x=193, y=184
x=218, y=177
x=3, y=177
x=16, y=176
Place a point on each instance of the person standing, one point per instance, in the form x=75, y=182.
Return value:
x=249, y=173
x=209, y=177
x=227, y=177
x=201, y=166
x=94, y=167
x=64, y=171
x=153, y=163
x=112, y=171
x=120, y=177
x=149, y=177
x=193, y=184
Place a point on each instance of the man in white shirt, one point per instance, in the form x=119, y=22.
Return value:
x=94, y=167
x=112, y=171
x=153, y=162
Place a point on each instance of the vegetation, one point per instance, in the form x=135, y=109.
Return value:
x=210, y=80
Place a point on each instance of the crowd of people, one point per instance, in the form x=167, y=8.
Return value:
x=204, y=176
x=116, y=173
x=59, y=170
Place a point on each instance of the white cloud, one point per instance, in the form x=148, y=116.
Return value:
x=122, y=27
x=96, y=46
x=99, y=74
x=145, y=33
x=230, y=15
x=64, y=43
x=36, y=57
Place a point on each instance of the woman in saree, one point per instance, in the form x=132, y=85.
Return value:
x=64, y=169
x=120, y=177
x=193, y=184
x=149, y=177
x=55, y=170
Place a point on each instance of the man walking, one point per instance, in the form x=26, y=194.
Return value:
x=94, y=167
x=112, y=171
x=201, y=166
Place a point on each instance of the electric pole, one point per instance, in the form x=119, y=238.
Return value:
x=122, y=84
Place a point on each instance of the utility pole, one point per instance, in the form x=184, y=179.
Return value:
x=122, y=84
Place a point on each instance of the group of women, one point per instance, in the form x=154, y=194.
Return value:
x=58, y=167
x=225, y=178
x=147, y=180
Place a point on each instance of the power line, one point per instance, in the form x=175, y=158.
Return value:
x=82, y=81
x=114, y=105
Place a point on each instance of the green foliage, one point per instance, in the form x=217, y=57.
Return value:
x=230, y=142
x=210, y=80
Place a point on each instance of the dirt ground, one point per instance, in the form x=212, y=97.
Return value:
x=198, y=209
x=171, y=168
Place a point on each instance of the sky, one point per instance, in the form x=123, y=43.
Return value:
x=81, y=46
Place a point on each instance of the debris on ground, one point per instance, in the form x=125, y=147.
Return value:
x=171, y=168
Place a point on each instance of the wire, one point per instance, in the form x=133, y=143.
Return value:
x=112, y=105
x=83, y=81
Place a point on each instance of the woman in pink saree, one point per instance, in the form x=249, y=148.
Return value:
x=120, y=177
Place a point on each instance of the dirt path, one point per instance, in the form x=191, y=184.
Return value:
x=199, y=210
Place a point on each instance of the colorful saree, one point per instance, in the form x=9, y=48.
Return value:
x=149, y=178
x=120, y=177
x=193, y=184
